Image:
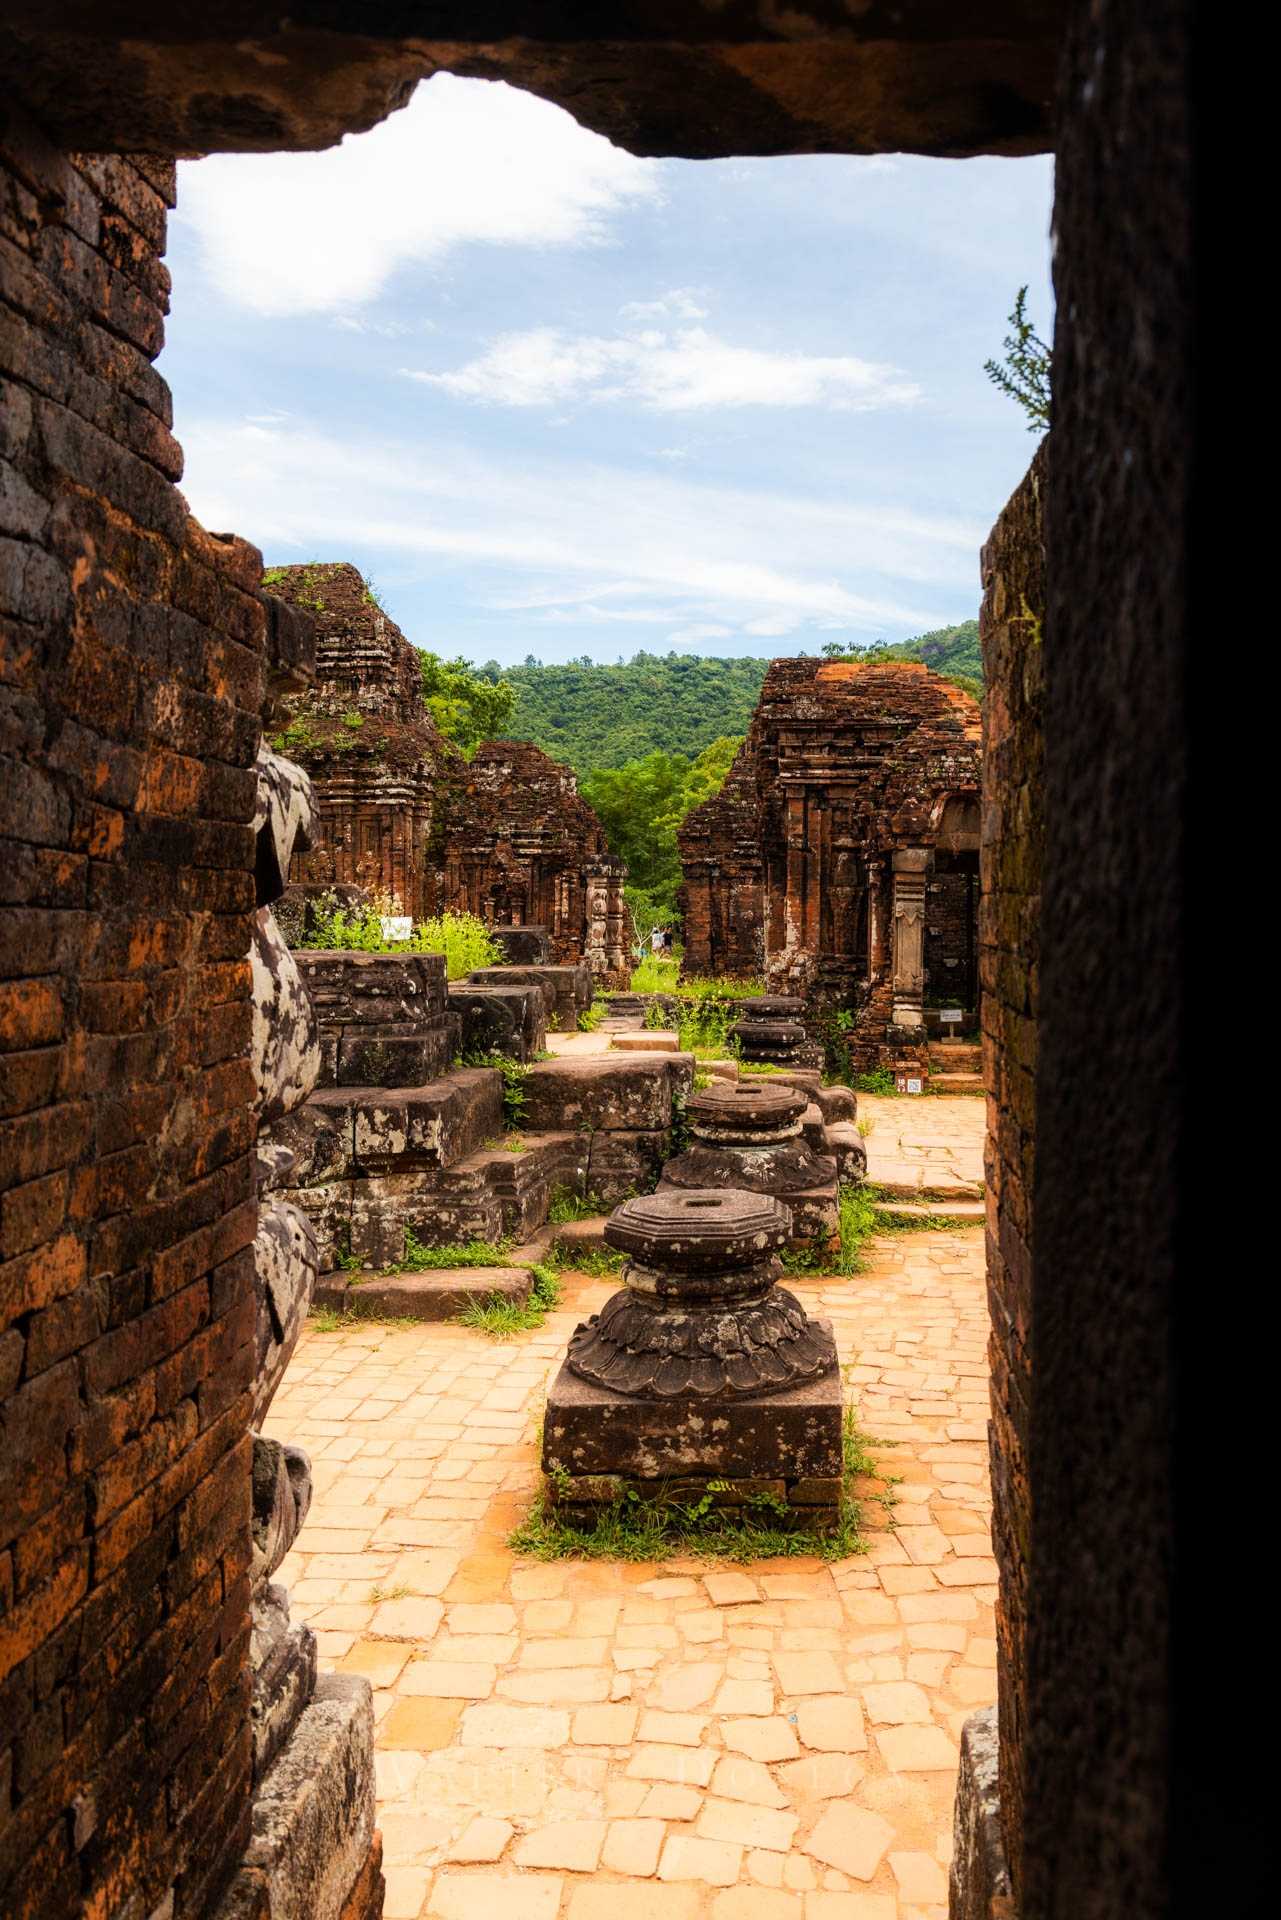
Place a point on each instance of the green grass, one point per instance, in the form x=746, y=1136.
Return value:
x=635, y=1529
x=887, y=1222
x=858, y=1221
x=598, y=1261
x=591, y=1017
x=880, y=1080
x=567, y=1205
x=514, y=1074
x=467, y=1253
x=326, y=1320
x=502, y=1319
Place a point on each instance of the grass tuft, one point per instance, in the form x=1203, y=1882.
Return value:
x=501, y=1319
x=634, y=1529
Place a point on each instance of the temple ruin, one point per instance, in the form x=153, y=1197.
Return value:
x=134, y=650
x=406, y=818
x=840, y=859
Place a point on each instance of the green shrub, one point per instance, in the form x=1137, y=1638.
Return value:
x=879, y=1080
x=591, y=1017
x=464, y=940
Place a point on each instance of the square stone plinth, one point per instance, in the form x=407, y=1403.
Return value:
x=790, y=1436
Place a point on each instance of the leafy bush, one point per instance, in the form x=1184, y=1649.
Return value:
x=464, y=940
x=590, y=1018
x=879, y=1080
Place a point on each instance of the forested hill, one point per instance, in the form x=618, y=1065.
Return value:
x=604, y=716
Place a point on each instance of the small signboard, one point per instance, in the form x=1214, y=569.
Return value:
x=397, y=926
x=951, y=1016
x=907, y=1080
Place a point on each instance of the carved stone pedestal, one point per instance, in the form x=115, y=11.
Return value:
x=771, y=1029
x=702, y=1369
x=750, y=1135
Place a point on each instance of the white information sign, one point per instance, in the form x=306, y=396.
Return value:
x=397, y=926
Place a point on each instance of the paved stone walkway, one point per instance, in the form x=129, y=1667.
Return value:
x=575, y=1741
x=931, y=1143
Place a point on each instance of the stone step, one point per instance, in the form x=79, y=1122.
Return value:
x=438, y=1295
x=965, y=1055
x=911, y=1180
x=972, y=1212
x=954, y=1082
x=579, y=1236
x=648, y=1040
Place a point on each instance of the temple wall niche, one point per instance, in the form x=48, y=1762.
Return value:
x=402, y=814
x=131, y=665
x=841, y=857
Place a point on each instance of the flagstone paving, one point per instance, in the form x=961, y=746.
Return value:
x=585, y=1741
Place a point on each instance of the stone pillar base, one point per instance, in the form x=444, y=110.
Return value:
x=794, y=1435
x=314, y=1853
x=980, y=1886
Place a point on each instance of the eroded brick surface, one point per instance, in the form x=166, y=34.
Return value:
x=840, y=857
x=505, y=835
x=131, y=649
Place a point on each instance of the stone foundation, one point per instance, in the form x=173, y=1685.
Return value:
x=792, y=1435
x=980, y=1886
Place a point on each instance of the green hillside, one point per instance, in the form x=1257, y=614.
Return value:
x=598, y=717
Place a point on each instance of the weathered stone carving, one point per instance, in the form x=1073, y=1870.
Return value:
x=701, y=1324
x=750, y=1135
x=701, y=1313
x=401, y=814
x=286, y=1263
x=771, y=1028
x=841, y=856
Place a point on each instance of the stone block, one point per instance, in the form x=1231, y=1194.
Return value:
x=510, y=1020
x=440, y=1294
x=313, y=1814
x=792, y=1435
x=600, y=1091
x=523, y=946
x=980, y=1881
x=625, y=1161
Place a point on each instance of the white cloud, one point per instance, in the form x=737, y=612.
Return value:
x=670, y=371
x=679, y=304
x=582, y=541
x=466, y=160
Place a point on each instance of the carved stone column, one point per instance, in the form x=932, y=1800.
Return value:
x=908, y=913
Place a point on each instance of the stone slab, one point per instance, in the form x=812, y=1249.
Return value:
x=648, y=1040
x=440, y=1294
x=792, y=1435
x=313, y=1815
x=603, y=1090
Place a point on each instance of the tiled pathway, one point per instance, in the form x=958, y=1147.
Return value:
x=924, y=1141
x=597, y=1742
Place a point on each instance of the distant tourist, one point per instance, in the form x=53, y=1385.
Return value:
x=657, y=940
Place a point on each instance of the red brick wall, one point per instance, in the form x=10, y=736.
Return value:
x=1013, y=569
x=130, y=668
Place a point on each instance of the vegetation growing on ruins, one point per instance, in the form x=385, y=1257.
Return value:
x=632, y=1528
x=1024, y=372
x=514, y=1075
x=466, y=1253
x=500, y=1319
x=463, y=939
x=951, y=652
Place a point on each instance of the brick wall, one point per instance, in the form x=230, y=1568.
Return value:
x=130, y=669
x=1013, y=571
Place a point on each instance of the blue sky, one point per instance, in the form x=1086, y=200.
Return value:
x=557, y=400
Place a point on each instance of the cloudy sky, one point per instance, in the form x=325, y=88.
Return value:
x=556, y=400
